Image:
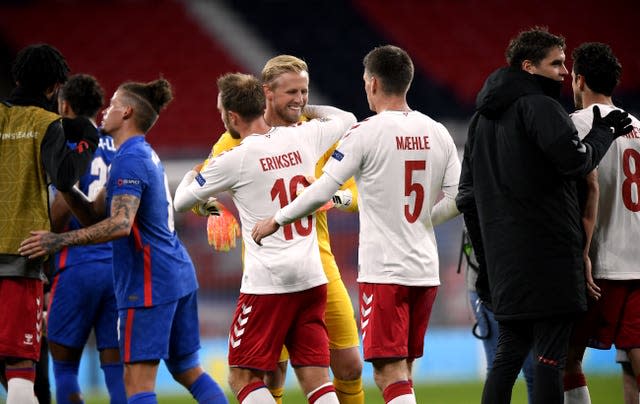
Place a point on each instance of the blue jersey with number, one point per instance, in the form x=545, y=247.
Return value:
x=150, y=266
x=90, y=184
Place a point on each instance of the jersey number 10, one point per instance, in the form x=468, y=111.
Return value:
x=279, y=190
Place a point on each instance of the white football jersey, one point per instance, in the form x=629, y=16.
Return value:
x=401, y=162
x=263, y=174
x=614, y=253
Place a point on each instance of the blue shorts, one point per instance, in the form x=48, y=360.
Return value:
x=166, y=331
x=82, y=299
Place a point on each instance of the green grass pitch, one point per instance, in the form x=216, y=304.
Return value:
x=603, y=388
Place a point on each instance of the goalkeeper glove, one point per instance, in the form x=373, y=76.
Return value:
x=341, y=199
x=222, y=229
x=208, y=208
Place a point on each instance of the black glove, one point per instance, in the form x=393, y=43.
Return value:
x=617, y=120
x=80, y=128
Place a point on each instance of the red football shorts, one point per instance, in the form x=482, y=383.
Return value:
x=262, y=324
x=394, y=319
x=617, y=315
x=21, y=324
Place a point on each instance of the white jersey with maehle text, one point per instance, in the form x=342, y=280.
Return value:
x=614, y=251
x=401, y=162
x=263, y=174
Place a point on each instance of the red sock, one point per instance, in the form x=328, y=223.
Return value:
x=396, y=389
x=574, y=380
x=21, y=373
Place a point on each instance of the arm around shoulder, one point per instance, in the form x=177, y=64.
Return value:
x=329, y=112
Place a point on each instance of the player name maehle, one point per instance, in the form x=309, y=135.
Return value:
x=412, y=142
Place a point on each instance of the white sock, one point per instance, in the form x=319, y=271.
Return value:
x=328, y=397
x=259, y=396
x=20, y=391
x=404, y=399
x=579, y=395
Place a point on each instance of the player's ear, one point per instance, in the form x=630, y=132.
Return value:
x=268, y=91
x=580, y=82
x=64, y=109
x=528, y=66
x=234, y=118
x=128, y=112
x=374, y=84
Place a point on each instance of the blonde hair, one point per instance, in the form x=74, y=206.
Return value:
x=282, y=64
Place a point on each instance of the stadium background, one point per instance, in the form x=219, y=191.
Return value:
x=454, y=45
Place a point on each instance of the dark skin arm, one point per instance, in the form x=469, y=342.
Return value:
x=589, y=221
x=123, y=213
x=60, y=213
x=87, y=211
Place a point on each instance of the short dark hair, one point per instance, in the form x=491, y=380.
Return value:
x=599, y=66
x=84, y=95
x=242, y=94
x=38, y=67
x=533, y=45
x=148, y=100
x=392, y=66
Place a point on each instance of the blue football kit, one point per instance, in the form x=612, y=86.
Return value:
x=154, y=278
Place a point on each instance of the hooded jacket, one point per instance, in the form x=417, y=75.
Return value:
x=518, y=195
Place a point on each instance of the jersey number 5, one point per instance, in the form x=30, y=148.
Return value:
x=413, y=187
x=279, y=190
x=632, y=179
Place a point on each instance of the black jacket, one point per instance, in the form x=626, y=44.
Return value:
x=518, y=190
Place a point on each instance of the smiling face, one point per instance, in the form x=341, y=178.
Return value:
x=287, y=95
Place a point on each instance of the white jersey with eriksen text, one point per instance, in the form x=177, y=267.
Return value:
x=401, y=162
x=614, y=248
x=263, y=174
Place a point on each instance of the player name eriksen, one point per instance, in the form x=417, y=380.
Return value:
x=412, y=142
x=281, y=161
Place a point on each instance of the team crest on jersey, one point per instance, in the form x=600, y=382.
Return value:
x=337, y=155
x=200, y=179
x=28, y=339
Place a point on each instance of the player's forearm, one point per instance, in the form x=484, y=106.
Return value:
x=316, y=195
x=590, y=212
x=347, y=119
x=60, y=213
x=446, y=208
x=88, y=212
x=107, y=230
x=184, y=198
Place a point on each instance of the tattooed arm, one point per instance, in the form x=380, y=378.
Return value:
x=123, y=213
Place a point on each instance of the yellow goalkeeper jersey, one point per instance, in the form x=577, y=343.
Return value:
x=226, y=142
